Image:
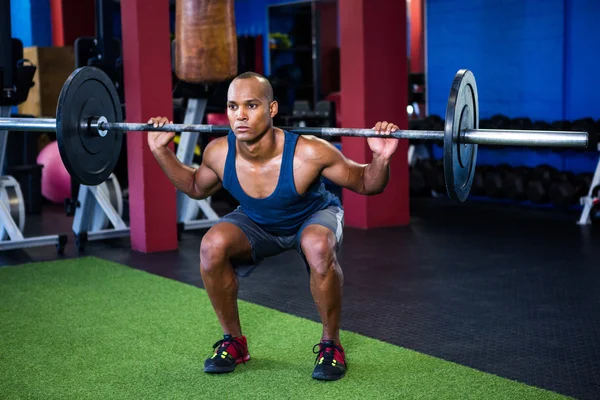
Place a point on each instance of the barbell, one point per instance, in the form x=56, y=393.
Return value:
x=89, y=129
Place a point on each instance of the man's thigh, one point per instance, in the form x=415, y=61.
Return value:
x=262, y=243
x=331, y=218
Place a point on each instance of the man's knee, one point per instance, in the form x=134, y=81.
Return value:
x=319, y=246
x=213, y=251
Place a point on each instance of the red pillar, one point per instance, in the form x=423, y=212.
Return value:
x=374, y=86
x=417, y=41
x=72, y=19
x=328, y=47
x=147, y=76
x=417, y=36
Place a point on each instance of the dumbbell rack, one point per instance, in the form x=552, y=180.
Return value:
x=189, y=209
x=588, y=201
x=12, y=209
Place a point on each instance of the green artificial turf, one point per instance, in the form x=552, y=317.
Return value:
x=91, y=329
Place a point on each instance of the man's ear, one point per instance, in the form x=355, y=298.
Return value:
x=274, y=108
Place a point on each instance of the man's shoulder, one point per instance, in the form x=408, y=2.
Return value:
x=310, y=146
x=217, y=144
x=215, y=150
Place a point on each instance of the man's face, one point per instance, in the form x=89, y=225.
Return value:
x=248, y=109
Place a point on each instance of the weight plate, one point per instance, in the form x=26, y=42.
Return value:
x=89, y=158
x=462, y=113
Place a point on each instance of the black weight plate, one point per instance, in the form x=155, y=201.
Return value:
x=462, y=113
x=89, y=157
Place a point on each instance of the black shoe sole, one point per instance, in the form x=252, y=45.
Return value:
x=323, y=377
x=213, y=369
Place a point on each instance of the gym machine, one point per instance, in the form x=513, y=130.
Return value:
x=591, y=202
x=98, y=210
x=16, y=78
x=188, y=210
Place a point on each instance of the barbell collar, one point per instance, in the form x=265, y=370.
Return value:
x=497, y=137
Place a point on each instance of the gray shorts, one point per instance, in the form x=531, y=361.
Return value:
x=265, y=245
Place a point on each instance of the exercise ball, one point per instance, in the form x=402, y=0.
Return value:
x=56, y=181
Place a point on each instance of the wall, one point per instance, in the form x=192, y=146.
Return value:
x=329, y=48
x=582, y=83
x=251, y=18
x=30, y=22
x=528, y=59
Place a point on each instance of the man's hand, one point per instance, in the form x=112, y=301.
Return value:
x=383, y=148
x=157, y=140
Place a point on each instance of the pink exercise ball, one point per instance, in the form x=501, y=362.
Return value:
x=56, y=181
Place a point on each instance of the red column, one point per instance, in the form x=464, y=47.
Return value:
x=417, y=51
x=147, y=76
x=328, y=46
x=417, y=41
x=72, y=19
x=373, y=64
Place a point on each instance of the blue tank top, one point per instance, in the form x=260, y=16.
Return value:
x=282, y=212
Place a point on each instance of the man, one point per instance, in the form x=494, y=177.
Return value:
x=276, y=177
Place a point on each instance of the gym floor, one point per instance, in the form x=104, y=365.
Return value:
x=506, y=290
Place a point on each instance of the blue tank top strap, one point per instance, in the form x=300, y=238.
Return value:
x=229, y=171
x=287, y=161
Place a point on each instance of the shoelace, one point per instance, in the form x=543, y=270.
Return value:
x=224, y=343
x=326, y=350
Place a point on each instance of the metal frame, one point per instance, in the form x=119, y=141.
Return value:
x=188, y=209
x=11, y=237
x=588, y=201
x=12, y=198
x=16, y=240
x=94, y=205
x=4, y=112
x=6, y=61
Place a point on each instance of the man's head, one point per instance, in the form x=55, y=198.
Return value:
x=250, y=105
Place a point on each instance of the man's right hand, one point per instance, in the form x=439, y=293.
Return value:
x=158, y=140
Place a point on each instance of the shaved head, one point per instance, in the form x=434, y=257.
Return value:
x=264, y=83
x=250, y=106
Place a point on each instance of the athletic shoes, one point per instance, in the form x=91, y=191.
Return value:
x=330, y=361
x=229, y=352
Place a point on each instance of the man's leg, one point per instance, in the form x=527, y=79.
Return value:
x=223, y=243
x=319, y=241
x=326, y=279
x=231, y=248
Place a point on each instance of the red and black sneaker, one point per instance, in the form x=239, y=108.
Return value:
x=229, y=352
x=331, y=361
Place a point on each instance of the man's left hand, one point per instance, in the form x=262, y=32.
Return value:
x=381, y=147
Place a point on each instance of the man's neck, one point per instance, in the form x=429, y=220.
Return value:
x=263, y=149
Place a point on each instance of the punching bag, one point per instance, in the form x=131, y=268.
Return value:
x=205, y=41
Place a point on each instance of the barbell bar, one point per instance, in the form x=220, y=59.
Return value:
x=468, y=136
x=89, y=129
x=490, y=137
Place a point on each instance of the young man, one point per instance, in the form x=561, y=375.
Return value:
x=276, y=177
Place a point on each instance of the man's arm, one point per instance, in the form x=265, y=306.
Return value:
x=367, y=179
x=197, y=183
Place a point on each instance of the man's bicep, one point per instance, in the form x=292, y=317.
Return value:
x=206, y=182
x=342, y=171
